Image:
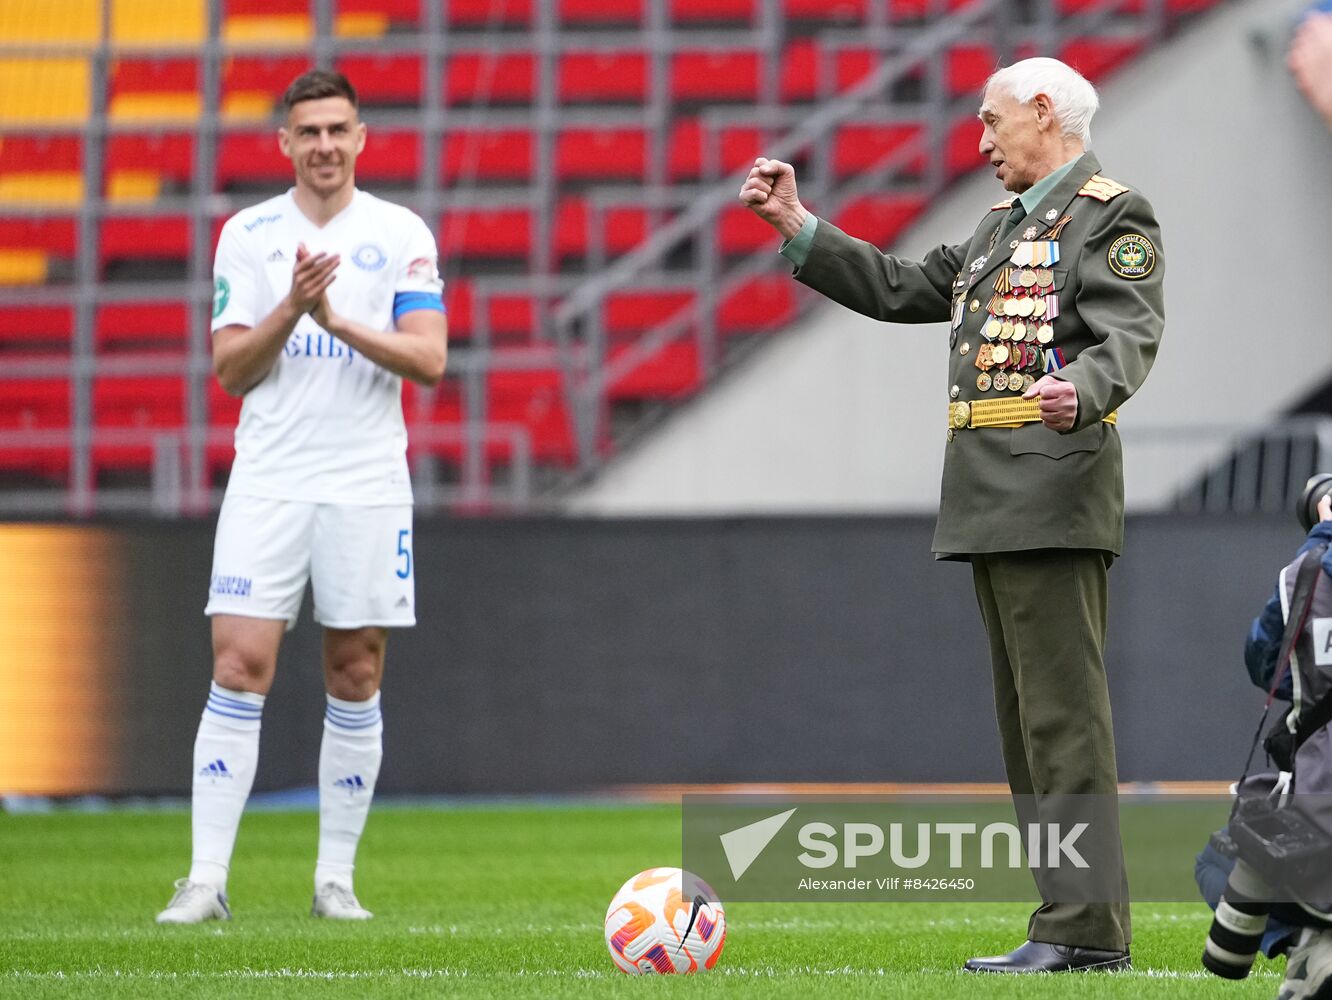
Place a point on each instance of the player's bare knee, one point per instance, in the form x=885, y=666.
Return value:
x=234, y=670
x=355, y=678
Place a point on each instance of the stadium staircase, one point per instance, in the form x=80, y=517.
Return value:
x=579, y=160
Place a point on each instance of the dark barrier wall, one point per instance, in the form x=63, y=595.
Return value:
x=557, y=655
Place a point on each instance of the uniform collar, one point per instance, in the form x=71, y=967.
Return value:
x=1055, y=199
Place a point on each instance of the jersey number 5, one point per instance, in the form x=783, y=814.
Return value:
x=405, y=554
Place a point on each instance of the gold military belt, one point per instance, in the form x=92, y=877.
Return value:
x=1000, y=413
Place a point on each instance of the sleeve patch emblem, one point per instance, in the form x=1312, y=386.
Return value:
x=221, y=296
x=1132, y=256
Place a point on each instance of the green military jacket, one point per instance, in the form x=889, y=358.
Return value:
x=1085, y=270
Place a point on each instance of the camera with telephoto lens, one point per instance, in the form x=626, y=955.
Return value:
x=1306, y=509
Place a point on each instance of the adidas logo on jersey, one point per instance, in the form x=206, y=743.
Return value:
x=403, y=603
x=277, y=256
x=215, y=769
x=352, y=783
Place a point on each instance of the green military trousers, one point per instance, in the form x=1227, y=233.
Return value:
x=1045, y=614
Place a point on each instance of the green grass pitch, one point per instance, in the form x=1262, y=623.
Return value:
x=490, y=902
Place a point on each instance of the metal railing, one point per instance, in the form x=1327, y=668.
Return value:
x=496, y=467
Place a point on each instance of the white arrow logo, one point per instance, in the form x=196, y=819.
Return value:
x=744, y=845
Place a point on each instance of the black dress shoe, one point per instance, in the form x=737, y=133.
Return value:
x=1038, y=956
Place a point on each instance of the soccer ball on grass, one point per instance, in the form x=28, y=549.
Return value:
x=665, y=921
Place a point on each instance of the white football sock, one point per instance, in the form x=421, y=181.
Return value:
x=349, y=759
x=226, y=752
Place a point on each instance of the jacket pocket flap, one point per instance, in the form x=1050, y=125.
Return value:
x=1037, y=439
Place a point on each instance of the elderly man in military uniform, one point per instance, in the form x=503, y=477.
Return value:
x=1055, y=307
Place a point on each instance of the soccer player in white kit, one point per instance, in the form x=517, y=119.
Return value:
x=325, y=299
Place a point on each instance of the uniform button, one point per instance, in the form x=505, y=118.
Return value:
x=954, y=392
x=975, y=305
x=965, y=349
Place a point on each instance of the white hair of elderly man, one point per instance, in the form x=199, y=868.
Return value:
x=1073, y=97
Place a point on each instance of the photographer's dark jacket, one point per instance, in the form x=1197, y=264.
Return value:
x=1264, y=642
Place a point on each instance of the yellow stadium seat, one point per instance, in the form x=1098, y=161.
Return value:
x=133, y=185
x=159, y=22
x=44, y=91
x=57, y=22
x=366, y=24
x=247, y=105
x=155, y=107
x=22, y=267
x=55, y=188
x=259, y=30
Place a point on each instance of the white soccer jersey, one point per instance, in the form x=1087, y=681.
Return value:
x=325, y=424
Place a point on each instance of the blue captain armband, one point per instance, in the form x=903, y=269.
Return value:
x=405, y=302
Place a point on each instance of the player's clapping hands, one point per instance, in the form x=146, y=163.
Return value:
x=770, y=192
x=310, y=278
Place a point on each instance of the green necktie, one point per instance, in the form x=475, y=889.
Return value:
x=1017, y=213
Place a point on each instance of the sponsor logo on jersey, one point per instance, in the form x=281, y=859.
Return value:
x=421, y=268
x=254, y=224
x=221, y=295
x=230, y=586
x=318, y=345
x=369, y=257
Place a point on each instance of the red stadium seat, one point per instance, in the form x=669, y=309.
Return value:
x=489, y=13
x=262, y=74
x=486, y=232
x=150, y=403
x=1095, y=57
x=671, y=372
x=534, y=399
x=760, y=304
x=711, y=76
x=860, y=147
x=962, y=150
x=800, y=70
x=57, y=236
x=578, y=12
x=170, y=154
x=145, y=238
x=608, y=77
x=836, y=11
x=153, y=75
x=251, y=158
x=710, y=11
x=34, y=329
x=737, y=148
x=399, y=12
x=390, y=156
x=485, y=78
x=490, y=155
x=624, y=227
x=879, y=218
x=630, y=312
x=740, y=231
x=511, y=316
x=141, y=326
x=34, y=405
x=40, y=153
x=601, y=154
x=384, y=78
x=969, y=66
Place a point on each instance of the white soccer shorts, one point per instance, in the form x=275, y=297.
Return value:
x=358, y=560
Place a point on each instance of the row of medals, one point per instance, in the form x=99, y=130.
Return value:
x=1020, y=313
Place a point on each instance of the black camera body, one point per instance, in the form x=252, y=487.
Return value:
x=1306, y=509
x=1279, y=843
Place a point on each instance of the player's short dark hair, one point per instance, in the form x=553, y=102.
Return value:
x=315, y=85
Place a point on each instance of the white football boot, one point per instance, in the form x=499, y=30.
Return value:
x=337, y=902
x=193, y=903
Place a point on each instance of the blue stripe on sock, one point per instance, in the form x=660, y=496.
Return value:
x=235, y=702
x=352, y=716
x=232, y=715
x=249, y=711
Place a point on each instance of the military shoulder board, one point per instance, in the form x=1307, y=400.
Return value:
x=1102, y=188
x=1003, y=204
